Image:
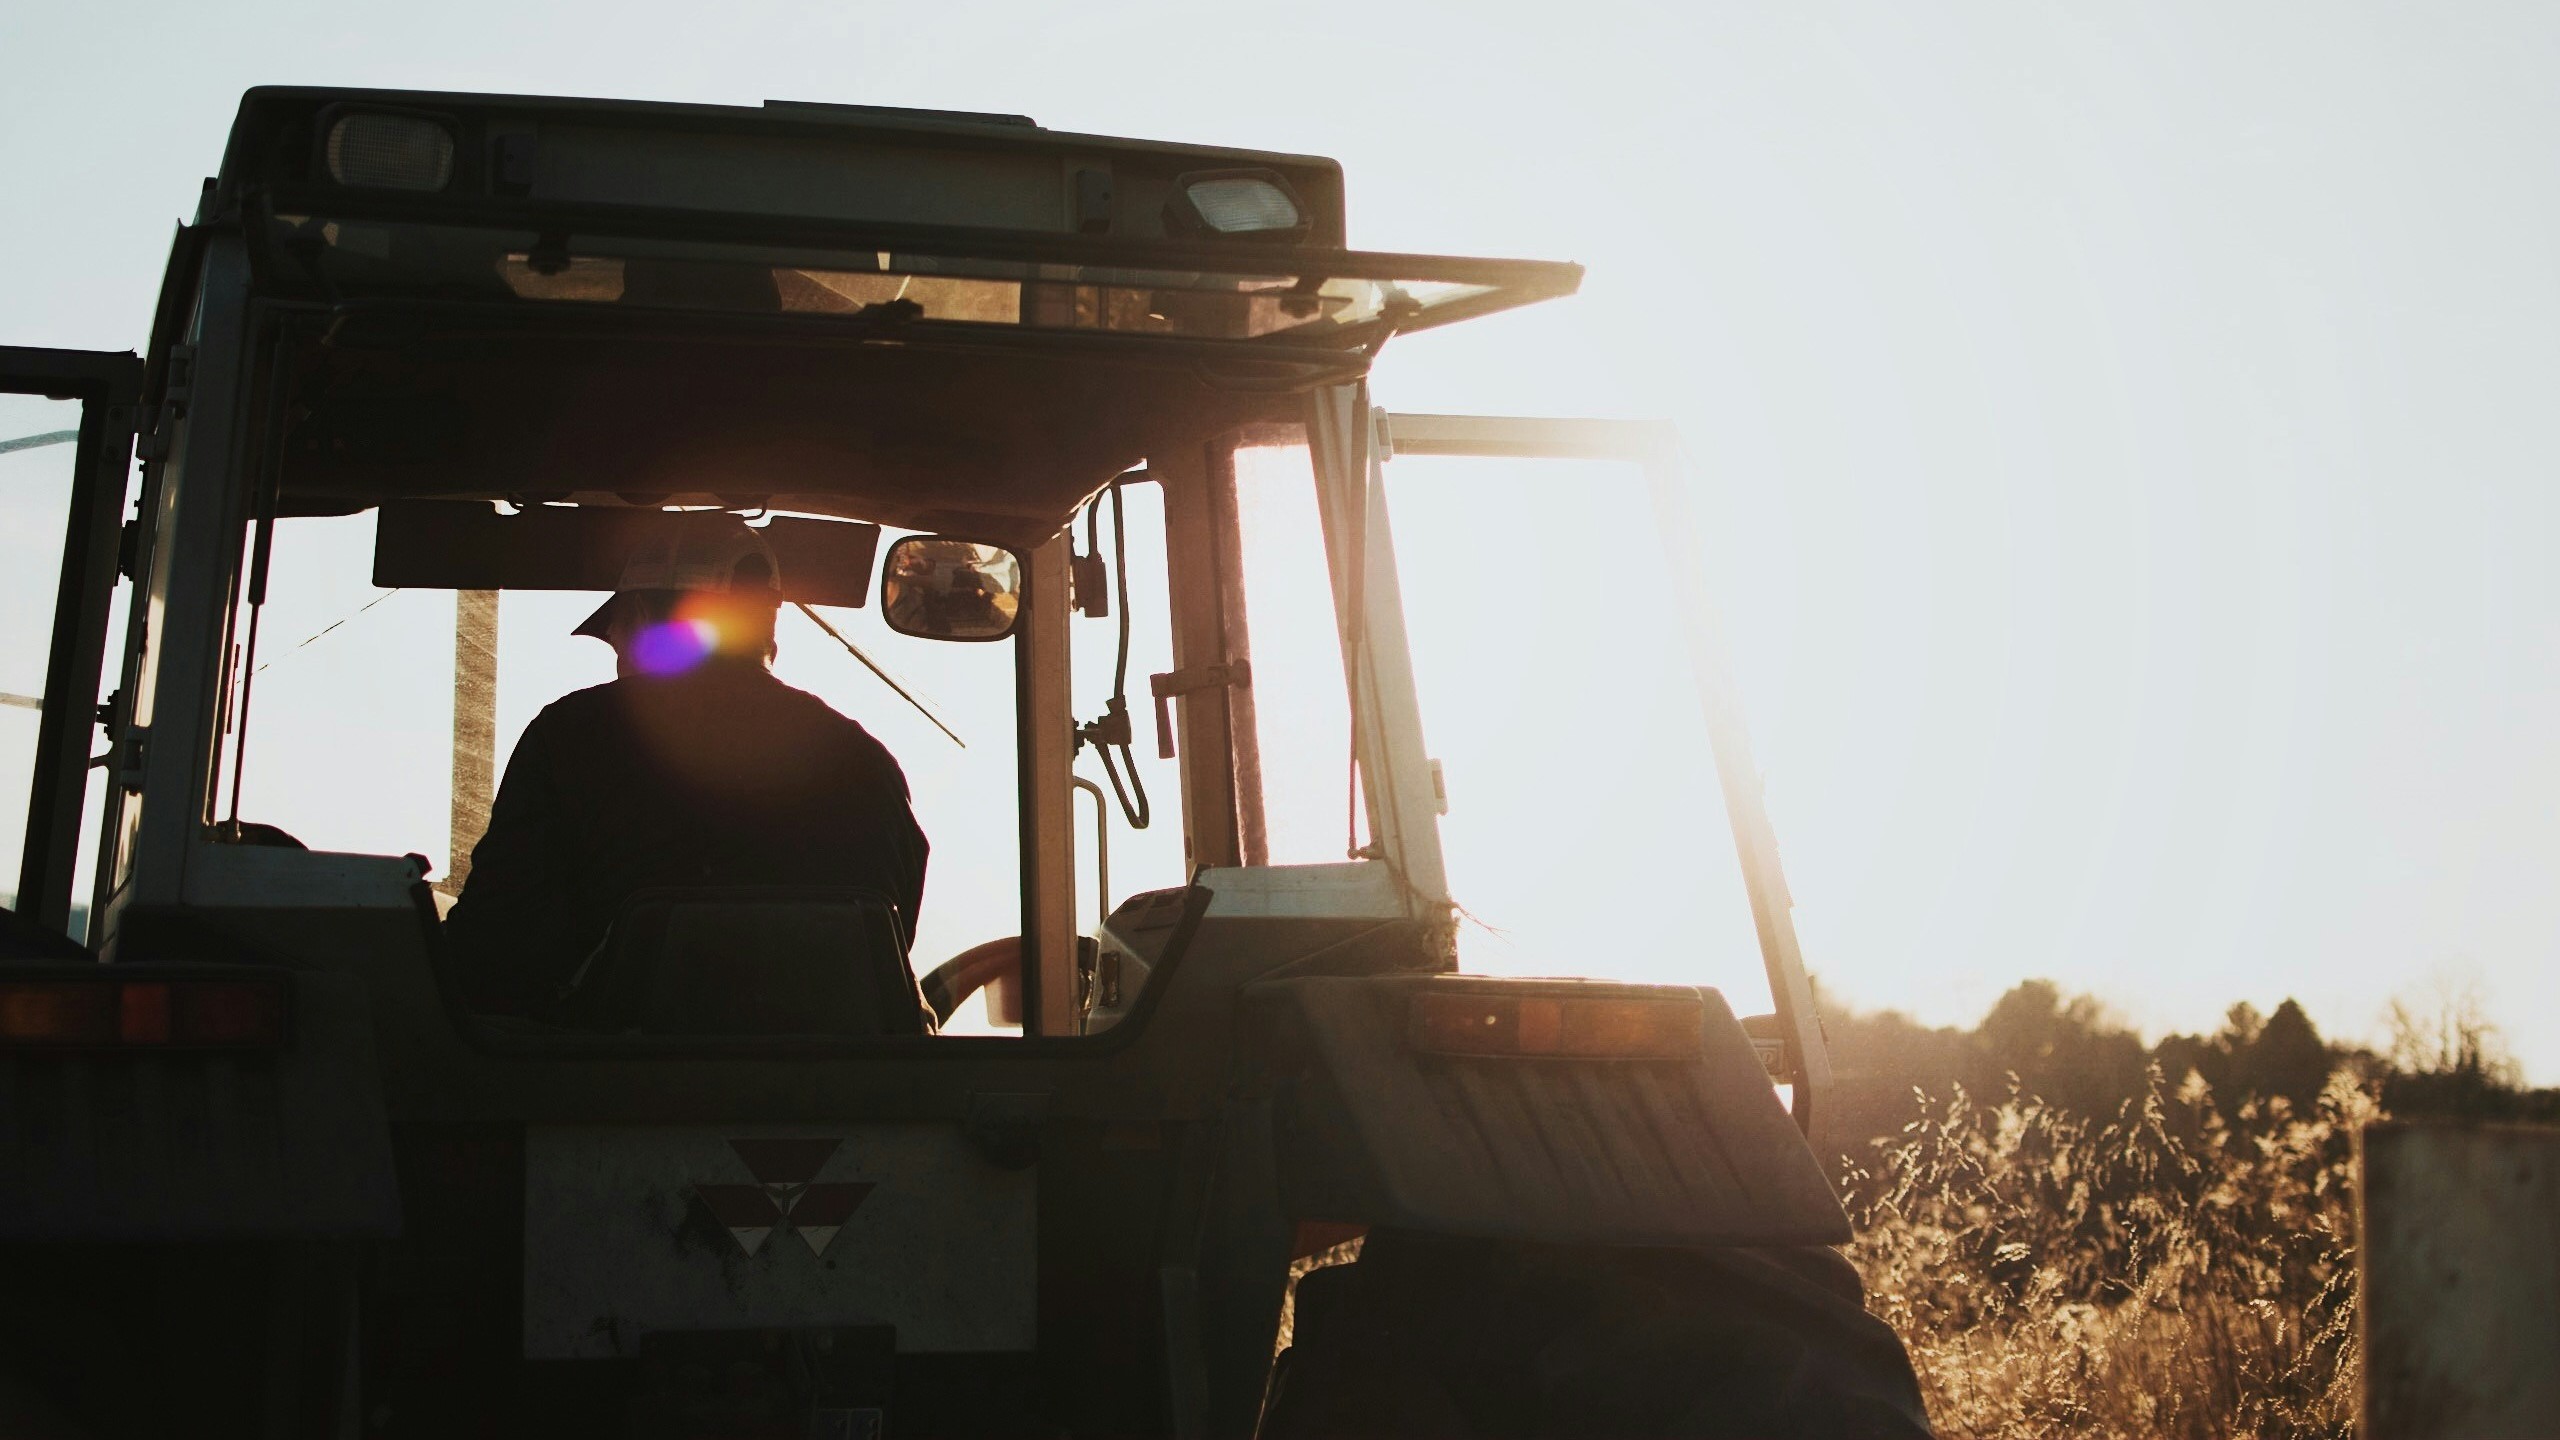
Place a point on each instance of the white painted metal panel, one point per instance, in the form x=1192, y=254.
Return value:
x=221, y=876
x=631, y=1230
x=1357, y=890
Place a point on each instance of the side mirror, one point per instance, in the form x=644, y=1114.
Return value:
x=950, y=589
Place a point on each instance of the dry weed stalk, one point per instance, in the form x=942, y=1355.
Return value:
x=2174, y=1272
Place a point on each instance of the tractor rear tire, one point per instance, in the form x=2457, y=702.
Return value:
x=1426, y=1337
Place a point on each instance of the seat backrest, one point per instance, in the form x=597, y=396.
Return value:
x=753, y=961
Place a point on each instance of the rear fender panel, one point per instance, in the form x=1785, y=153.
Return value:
x=1693, y=1151
x=139, y=1144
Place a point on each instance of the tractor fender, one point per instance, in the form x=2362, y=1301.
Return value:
x=138, y=1143
x=1684, y=1147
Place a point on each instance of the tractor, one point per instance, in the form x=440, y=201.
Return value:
x=1244, y=1153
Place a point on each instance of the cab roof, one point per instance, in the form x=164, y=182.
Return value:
x=945, y=321
x=785, y=160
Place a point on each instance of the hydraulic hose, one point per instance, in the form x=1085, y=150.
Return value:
x=1113, y=730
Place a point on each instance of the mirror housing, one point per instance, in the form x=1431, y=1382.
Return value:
x=938, y=588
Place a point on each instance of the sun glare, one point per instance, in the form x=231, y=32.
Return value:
x=675, y=646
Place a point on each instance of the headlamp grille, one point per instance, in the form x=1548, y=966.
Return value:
x=390, y=152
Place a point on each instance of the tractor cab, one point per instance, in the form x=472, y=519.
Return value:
x=1015, y=415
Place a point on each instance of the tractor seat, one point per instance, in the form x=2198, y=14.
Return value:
x=751, y=961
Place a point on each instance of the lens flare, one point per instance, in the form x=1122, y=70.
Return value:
x=674, y=647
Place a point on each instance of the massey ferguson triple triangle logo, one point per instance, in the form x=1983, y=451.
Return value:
x=786, y=1196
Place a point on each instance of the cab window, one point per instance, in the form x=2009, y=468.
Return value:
x=342, y=726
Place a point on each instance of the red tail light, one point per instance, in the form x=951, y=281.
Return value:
x=1578, y=1027
x=142, y=1016
x=226, y=1013
x=230, y=1013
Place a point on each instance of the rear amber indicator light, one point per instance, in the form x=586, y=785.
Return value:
x=50, y=1012
x=223, y=1014
x=1561, y=1027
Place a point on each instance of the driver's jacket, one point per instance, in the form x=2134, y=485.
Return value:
x=724, y=776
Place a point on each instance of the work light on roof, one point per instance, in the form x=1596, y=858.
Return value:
x=1248, y=203
x=389, y=151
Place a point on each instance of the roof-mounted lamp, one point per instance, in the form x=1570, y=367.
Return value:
x=389, y=150
x=1235, y=204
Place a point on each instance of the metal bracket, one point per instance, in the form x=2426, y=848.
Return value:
x=152, y=442
x=132, y=749
x=1166, y=686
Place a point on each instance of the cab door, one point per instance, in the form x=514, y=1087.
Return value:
x=1665, y=570
x=66, y=453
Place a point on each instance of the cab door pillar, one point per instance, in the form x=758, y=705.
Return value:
x=1386, y=712
x=108, y=386
x=1047, y=758
x=1209, y=690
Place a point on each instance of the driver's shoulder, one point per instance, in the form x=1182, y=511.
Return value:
x=805, y=704
x=840, y=728
x=584, y=705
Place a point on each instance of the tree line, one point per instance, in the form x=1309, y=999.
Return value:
x=2443, y=1058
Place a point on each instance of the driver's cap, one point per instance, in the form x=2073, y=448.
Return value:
x=720, y=554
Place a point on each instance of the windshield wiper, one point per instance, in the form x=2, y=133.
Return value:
x=885, y=677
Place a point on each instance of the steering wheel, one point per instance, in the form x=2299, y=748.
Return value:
x=994, y=966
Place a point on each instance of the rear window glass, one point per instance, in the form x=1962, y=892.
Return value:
x=348, y=741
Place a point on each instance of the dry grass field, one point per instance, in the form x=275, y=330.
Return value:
x=2172, y=1272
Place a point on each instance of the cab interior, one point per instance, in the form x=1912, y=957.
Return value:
x=449, y=484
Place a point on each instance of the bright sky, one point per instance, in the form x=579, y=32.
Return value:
x=2123, y=434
